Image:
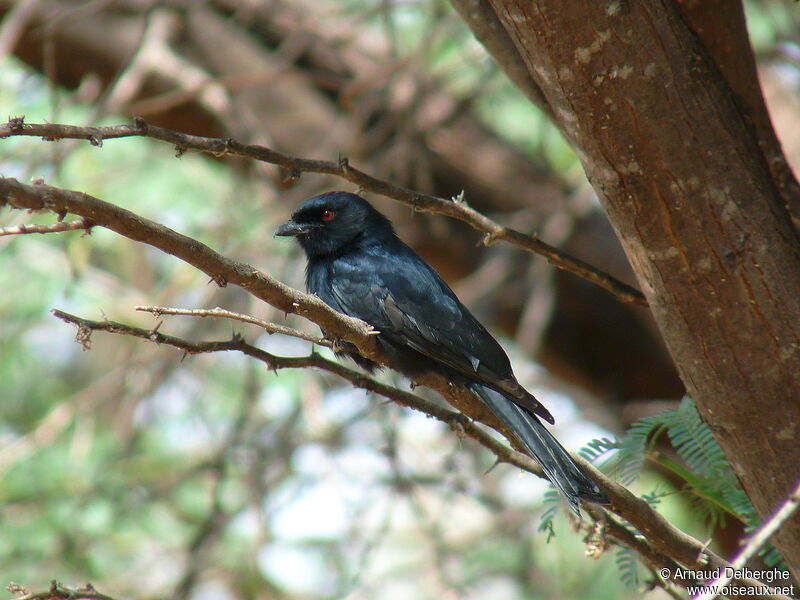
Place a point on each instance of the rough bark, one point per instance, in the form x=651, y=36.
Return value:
x=677, y=164
x=722, y=28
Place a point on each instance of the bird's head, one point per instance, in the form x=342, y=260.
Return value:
x=329, y=223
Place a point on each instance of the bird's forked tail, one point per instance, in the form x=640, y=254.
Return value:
x=555, y=461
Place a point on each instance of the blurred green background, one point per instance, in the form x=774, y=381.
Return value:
x=153, y=474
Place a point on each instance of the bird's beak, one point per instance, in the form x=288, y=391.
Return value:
x=293, y=229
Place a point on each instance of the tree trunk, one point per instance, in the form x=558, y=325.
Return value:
x=675, y=158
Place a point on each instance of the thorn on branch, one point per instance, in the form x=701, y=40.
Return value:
x=459, y=198
x=179, y=151
x=344, y=163
x=154, y=335
x=497, y=460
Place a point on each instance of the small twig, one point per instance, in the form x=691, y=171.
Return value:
x=342, y=168
x=756, y=542
x=267, y=326
x=52, y=228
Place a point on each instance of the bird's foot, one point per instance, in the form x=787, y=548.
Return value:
x=338, y=345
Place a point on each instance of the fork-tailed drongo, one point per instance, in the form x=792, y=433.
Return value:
x=359, y=267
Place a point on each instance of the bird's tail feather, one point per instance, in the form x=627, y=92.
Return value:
x=555, y=461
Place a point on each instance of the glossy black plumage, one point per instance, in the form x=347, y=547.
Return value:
x=359, y=267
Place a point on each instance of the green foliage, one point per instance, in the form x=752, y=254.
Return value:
x=598, y=447
x=771, y=23
x=512, y=115
x=552, y=500
x=703, y=467
x=627, y=561
x=708, y=479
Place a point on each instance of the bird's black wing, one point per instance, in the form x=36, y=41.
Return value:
x=399, y=294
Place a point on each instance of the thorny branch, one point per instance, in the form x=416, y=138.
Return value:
x=223, y=270
x=454, y=208
x=661, y=545
x=227, y=314
x=660, y=535
x=657, y=534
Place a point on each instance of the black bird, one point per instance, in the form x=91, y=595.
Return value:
x=358, y=266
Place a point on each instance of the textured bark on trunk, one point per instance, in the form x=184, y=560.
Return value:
x=675, y=156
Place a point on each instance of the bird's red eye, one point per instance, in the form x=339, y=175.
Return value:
x=327, y=215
